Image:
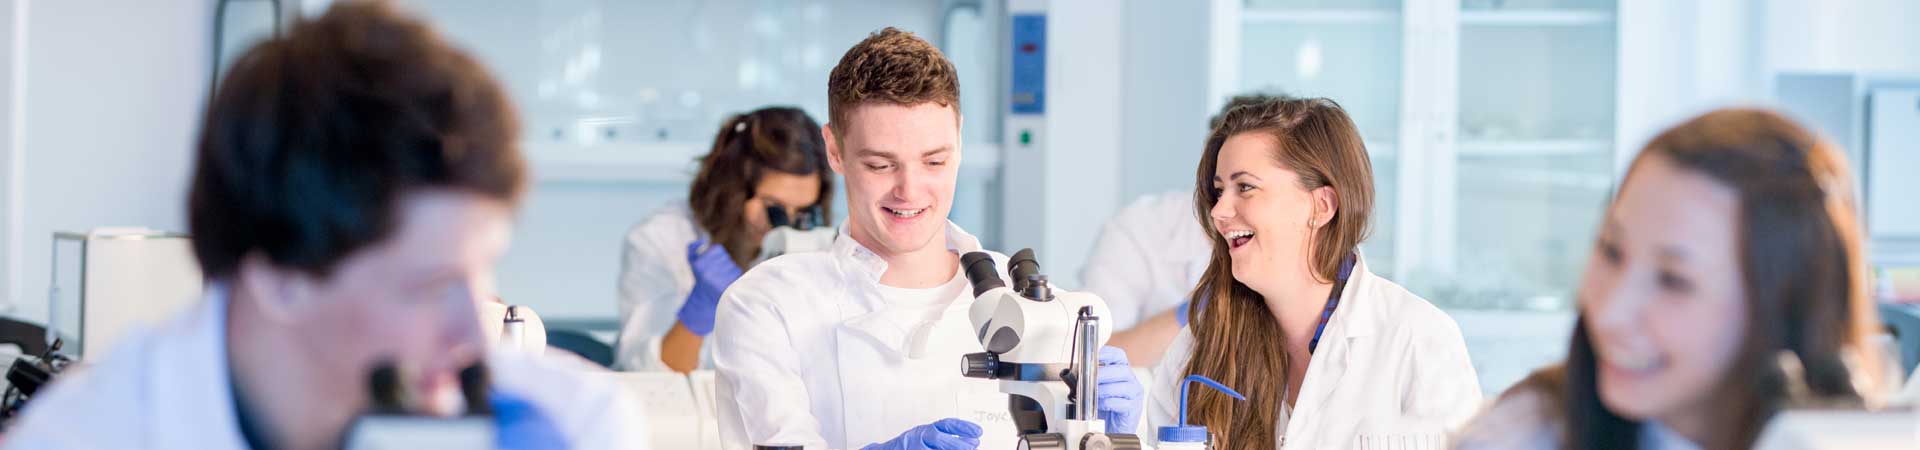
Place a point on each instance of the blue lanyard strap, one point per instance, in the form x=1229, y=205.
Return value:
x=1339, y=284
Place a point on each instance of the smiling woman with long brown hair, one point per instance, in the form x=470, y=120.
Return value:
x=1328, y=354
x=1732, y=241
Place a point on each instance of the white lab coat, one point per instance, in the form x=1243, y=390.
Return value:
x=1391, y=371
x=171, y=389
x=654, y=281
x=1148, y=258
x=1528, y=420
x=809, y=353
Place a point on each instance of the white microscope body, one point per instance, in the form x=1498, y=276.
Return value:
x=806, y=232
x=1043, y=346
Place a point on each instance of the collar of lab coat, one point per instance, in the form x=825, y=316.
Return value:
x=193, y=374
x=1358, y=316
x=867, y=266
x=871, y=315
x=1355, y=318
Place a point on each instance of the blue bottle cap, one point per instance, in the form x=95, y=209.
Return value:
x=1180, y=431
x=1189, y=433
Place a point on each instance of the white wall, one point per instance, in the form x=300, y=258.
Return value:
x=1128, y=95
x=110, y=92
x=565, y=258
x=1679, y=59
x=112, y=98
x=1843, y=35
x=113, y=95
x=13, y=41
x=1083, y=143
x=1164, y=95
x=113, y=92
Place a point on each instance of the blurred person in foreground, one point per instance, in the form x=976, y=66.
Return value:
x=354, y=187
x=1732, y=242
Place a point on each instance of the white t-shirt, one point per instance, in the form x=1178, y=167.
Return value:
x=926, y=303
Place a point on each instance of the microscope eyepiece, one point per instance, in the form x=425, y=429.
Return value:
x=388, y=394
x=777, y=216
x=980, y=271
x=474, y=383
x=811, y=217
x=1021, y=267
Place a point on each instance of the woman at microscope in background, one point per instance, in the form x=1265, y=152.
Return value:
x=1328, y=354
x=1731, y=243
x=674, y=265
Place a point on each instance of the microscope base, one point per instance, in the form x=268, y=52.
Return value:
x=1081, y=435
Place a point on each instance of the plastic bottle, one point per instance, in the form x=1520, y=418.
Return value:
x=1181, y=436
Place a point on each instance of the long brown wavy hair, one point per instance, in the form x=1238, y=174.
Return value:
x=1803, y=268
x=1236, y=340
x=781, y=139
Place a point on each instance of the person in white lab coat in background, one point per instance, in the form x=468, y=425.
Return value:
x=1148, y=259
x=1329, y=355
x=1732, y=242
x=861, y=346
x=1145, y=264
x=354, y=187
x=675, y=264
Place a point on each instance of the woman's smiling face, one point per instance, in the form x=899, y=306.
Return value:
x=1663, y=296
x=1262, y=211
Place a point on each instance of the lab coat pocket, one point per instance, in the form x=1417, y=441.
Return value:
x=1400, y=441
x=1400, y=433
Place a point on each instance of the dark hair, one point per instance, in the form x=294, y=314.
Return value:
x=890, y=66
x=1236, y=341
x=1803, y=268
x=314, y=137
x=779, y=139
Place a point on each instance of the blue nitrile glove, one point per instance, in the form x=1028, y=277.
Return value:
x=713, y=271
x=519, y=425
x=1120, y=392
x=943, y=434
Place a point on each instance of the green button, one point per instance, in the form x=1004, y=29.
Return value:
x=1026, y=137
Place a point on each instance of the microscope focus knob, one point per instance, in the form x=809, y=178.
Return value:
x=980, y=365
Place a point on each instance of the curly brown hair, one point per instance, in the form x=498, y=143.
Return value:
x=890, y=66
x=748, y=147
